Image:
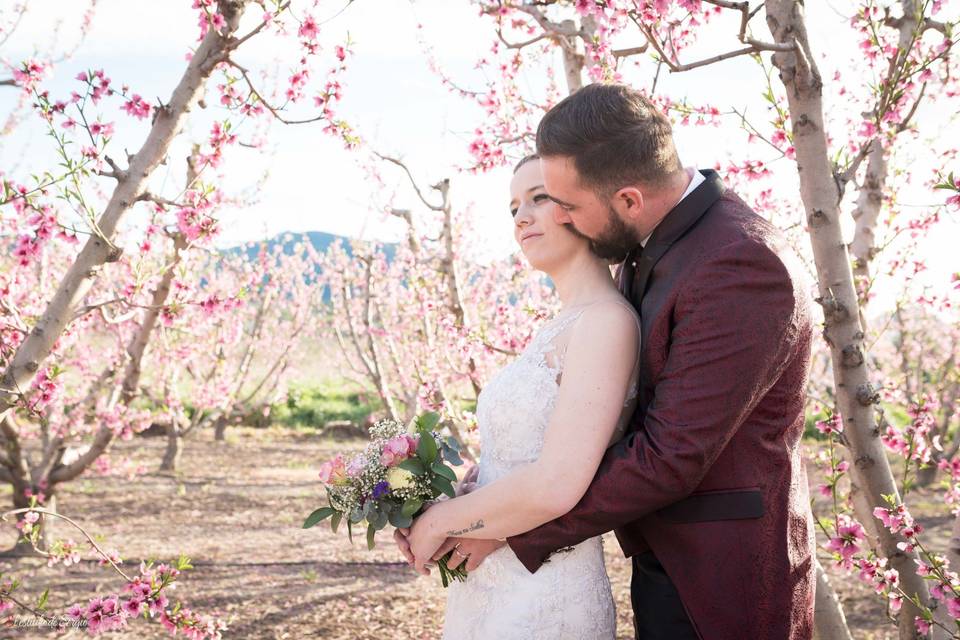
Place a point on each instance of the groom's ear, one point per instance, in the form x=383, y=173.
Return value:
x=628, y=202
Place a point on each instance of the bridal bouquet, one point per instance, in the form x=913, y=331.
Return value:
x=391, y=480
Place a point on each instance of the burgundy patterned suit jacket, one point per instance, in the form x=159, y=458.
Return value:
x=710, y=476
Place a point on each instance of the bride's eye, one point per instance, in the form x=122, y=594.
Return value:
x=540, y=197
x=513, y=212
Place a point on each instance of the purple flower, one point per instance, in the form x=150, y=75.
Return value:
x=381, y=489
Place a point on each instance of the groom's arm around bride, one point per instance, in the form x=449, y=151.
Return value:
x=707, y=492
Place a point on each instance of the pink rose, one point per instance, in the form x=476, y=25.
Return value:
x=333, y=471
x=397, y=449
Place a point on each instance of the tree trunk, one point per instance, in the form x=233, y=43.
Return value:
x=131, y=185
x=171, y=457
x=927, y=475
x=573, y=60
x=220, y=428
x=842, y=331
x=866, y=214
x=870, y=199
x=829, y=622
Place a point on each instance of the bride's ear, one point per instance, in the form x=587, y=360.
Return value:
x=628, y=202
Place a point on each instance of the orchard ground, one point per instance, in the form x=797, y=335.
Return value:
x=236, y=509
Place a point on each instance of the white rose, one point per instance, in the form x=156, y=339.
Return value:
x=399, y=478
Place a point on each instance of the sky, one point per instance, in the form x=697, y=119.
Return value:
x=306, y=180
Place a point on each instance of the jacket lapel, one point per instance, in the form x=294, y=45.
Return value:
x=676, y=223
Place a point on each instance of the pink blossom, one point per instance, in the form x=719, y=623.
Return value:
x=308, y=29
x=846, y=542
x=137, y=107
x=833, y=424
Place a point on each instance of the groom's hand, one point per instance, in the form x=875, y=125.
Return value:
x=470, y=552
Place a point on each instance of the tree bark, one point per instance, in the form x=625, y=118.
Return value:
x=131, y=185
x=866, y=214
x=870, y=199
x=171, y=456
x=842, y=330
x=829, y=622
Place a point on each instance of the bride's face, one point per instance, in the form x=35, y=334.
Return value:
x=543, y=242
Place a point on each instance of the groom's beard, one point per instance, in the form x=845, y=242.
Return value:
x=614, y=241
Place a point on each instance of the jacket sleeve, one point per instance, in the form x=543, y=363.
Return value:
x=736, y=325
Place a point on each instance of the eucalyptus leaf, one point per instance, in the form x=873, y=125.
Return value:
x=371, y=532
x=411, y=506
x=335, y=521
x=399, y=520
x=451, y=455
x=350, y=531
x=318, y=516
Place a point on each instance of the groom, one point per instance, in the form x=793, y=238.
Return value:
x=707, y=492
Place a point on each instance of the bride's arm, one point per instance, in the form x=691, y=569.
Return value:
x=599, y=361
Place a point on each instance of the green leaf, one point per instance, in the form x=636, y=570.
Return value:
x=451, y=455
x=335, y=521
x=350, y=531
x=427, y=449
x=410, y=507
x=371, y=532
x=318, y=516
x=443, y=470
x=428, y=421
x=381, y=520
x=399, y=520
x=42, y=602
x=443, y=485
x=414, y=466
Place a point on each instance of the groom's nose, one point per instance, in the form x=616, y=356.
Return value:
x=560, y=216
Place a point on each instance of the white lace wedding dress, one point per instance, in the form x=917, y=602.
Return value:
x=569, y=597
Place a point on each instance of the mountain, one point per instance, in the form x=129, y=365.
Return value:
x=321, y=241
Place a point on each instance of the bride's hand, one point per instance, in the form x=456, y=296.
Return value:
x=424, y=539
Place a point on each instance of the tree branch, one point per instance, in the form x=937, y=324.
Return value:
x=273, y=110
x=413, y=182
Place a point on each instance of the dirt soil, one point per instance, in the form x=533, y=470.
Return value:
x=236, y=509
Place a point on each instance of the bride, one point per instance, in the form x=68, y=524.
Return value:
x=545, y=421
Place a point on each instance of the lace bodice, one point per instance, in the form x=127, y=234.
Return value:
x=570, y=596
x=514, y=408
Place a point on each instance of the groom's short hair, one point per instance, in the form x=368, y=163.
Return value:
x=615, y=135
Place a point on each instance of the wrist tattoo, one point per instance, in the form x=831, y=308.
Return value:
x=473, y=527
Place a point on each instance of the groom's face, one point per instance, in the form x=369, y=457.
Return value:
x=585, y=213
